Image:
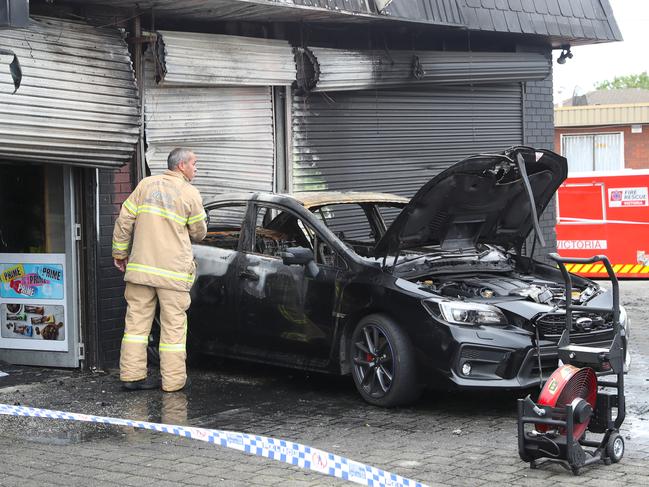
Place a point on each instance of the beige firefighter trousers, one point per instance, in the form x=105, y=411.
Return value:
x=141, y=302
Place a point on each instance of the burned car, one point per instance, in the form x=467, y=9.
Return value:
x=400, y=293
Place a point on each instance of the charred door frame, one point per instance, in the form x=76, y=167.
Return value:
x=334, y=274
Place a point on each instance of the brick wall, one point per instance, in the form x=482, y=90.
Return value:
x=114, y=188
x=539, y=133
x=636, y=146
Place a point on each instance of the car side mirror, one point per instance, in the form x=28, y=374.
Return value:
x=301, y=256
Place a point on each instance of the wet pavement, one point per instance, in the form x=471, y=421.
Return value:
x=444, y=439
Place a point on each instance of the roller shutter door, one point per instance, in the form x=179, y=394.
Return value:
x=395, y=141
x=77, y=103
x=212, y=93
x=229, y=128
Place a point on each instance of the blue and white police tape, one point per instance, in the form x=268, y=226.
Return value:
x=283, y=451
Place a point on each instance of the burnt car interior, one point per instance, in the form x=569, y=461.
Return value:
x=359, y=226
x=277, y=230
x=224, y=227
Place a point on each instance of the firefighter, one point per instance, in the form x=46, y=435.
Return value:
x=151, y=245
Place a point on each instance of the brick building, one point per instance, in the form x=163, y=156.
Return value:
x=604, y=130
x=361, y=94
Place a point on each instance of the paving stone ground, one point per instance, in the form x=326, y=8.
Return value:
x=445, y=439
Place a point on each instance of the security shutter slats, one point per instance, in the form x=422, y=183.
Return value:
x=229, y=128
x=395, y=141
x=189, y=58
x=77, y=103
x=330, y=70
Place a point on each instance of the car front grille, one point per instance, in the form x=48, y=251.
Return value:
x=551, y=325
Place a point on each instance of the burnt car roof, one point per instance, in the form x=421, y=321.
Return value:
x=314, y=199
x=323, y=198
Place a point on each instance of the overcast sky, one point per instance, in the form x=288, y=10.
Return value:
x=599, y=62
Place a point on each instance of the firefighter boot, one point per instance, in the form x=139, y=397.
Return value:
x=141, y=385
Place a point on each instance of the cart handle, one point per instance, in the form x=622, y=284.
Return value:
x=561, y=261
x=568, y=281
x=579, y=260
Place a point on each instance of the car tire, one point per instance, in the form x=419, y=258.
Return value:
x=383, y=363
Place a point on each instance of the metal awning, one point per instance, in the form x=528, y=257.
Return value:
x=77, y=103
x=324, y=69
x=191, y=59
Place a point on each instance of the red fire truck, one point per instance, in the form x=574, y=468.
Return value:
x=605, y=213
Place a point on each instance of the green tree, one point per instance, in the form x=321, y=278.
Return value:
x=629, y=81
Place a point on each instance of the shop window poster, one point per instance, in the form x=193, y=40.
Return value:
x=33, y=302
x=35, y=322
x=31, y=281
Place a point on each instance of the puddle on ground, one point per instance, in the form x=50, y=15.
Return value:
x=637, y=428
x=72, y=437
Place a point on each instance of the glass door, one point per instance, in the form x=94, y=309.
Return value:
x=38, y=281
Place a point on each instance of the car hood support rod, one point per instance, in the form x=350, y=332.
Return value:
x=530, y=194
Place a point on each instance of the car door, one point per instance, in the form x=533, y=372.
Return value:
x=213, y=316
x=287, y=315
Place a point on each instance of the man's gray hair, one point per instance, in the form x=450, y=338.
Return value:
x=176, y=156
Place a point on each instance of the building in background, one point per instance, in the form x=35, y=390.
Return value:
x=603, y=206
x=606, y=130
x=285, y=96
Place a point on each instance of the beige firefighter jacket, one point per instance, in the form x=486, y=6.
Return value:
x=154, y=228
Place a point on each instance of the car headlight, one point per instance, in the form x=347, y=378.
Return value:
x=462, y=313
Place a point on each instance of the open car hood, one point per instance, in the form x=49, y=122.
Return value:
x=480, y=199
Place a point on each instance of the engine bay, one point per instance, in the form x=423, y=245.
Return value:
x=497, y=286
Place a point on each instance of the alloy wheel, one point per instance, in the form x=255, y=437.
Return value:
x=374, y=361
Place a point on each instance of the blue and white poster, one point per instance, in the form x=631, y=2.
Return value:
x=31, y=281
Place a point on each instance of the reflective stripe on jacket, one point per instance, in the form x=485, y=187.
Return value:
x=157, y=222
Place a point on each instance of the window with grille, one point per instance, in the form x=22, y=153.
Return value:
x=593, y=152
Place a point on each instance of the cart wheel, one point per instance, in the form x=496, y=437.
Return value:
x=615, y=447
